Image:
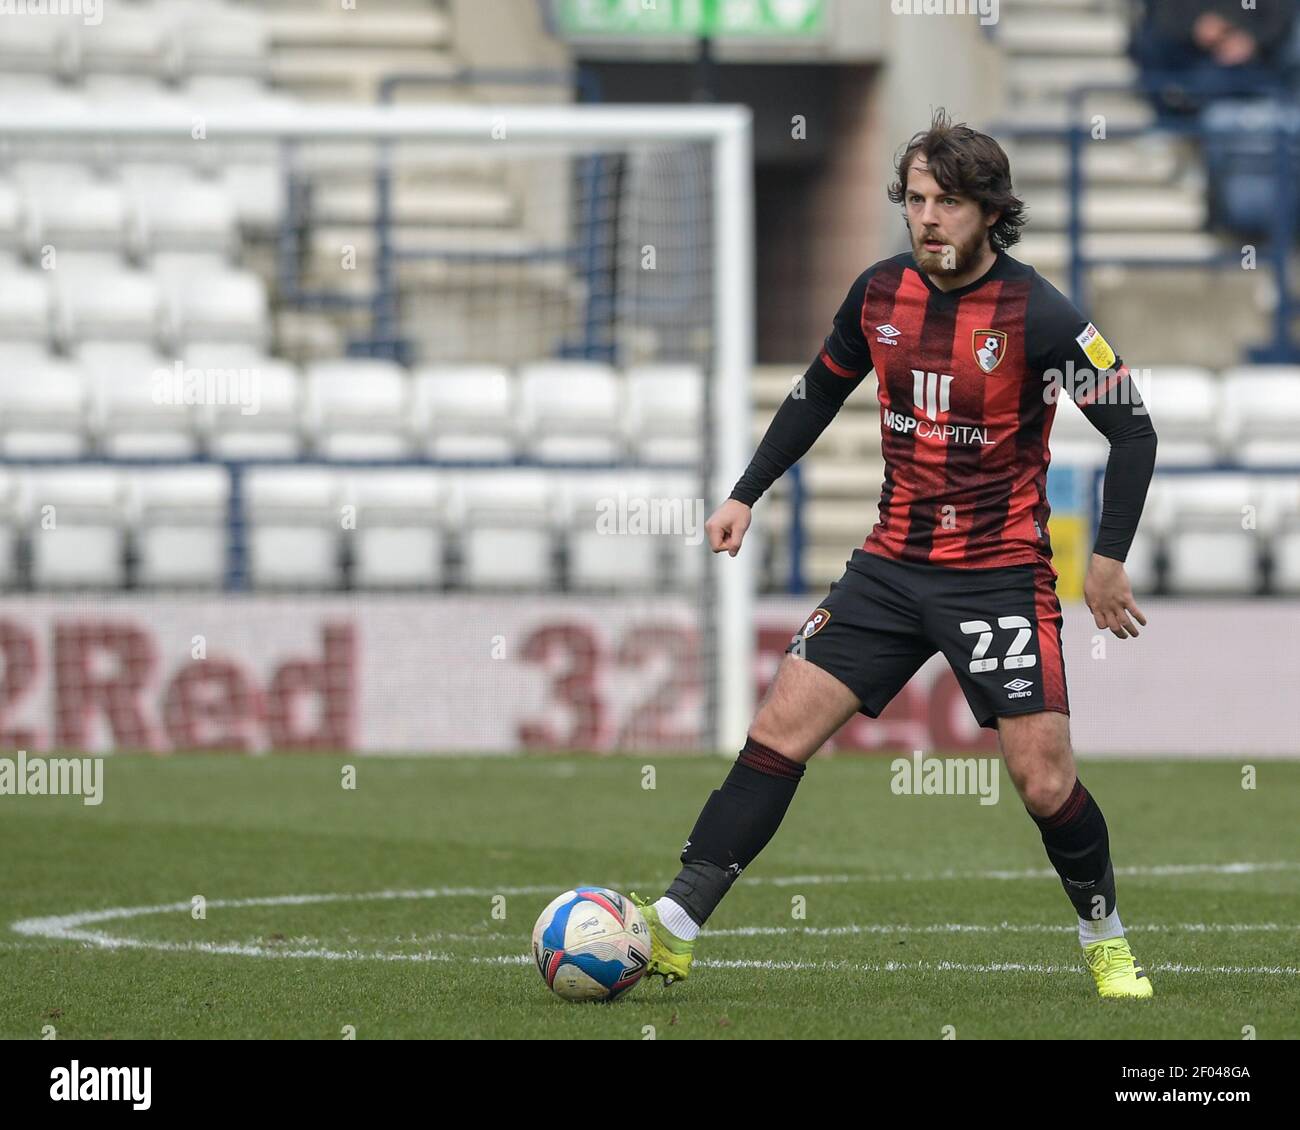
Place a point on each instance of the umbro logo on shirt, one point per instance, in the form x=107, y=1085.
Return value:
x=888, y=334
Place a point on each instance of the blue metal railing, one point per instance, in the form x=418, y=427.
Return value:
x=586, y=257
x=1282, y=346
x=236, y=571
x=384, y=337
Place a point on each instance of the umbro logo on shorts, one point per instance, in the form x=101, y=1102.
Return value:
x=1019, y=688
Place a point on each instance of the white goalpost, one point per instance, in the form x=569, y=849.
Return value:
x=727, y=627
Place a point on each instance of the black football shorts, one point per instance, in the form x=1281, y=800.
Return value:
x=999, y=629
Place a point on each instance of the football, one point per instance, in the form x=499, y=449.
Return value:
x=591, y=944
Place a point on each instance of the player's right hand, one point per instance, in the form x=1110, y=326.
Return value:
x=726, y=527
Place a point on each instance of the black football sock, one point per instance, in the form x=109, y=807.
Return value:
x=735, y=824
x=1078, y=845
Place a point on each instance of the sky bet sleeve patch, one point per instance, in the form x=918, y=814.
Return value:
x=1096, y=347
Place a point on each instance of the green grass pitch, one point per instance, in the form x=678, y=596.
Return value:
x=903, y=902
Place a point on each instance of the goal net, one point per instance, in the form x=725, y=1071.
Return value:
x=452, y=389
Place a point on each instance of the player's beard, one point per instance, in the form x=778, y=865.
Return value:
x=943, y=263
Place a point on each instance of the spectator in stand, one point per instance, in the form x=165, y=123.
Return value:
x=1197, y=50
x=1234, y=67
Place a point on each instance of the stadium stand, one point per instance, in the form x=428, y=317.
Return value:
x=123, y=275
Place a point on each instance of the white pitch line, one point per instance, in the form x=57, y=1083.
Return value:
x=54, y=926
x=852, y=928
x=70, y=927
x=1168, y=869
x=37, y=925
x=243, y=950
x=886, y=928
x=986, y=967
x=1000, y=928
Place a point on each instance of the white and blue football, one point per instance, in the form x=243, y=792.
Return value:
x=591, y=944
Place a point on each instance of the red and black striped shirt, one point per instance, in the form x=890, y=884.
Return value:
x=968, y=380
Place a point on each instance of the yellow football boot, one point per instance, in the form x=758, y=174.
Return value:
x=670, y=956
x=1116, y=970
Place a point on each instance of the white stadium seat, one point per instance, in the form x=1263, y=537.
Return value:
x=116, y=356
x=26, y=305
x=1216, y=499
x=1140, y=565
x=507, y=522
x=222, y=354
x=118, y=305
x=665, y=412
x=1286, y=557
x=399, y=538
x=1262, y=414
x=688, y=552
x=225, y=306
x=1213, y=561
x=40, y=45
x=1277, y=499
x=10, y=518
x=43, y=409
x=11, y=219
x=294, y=524
x=1210, y=541
x=358, y=409
x=608, y=517
x=226, y=90
x=1073, y=439
x=88, y=216
x=21, y=90
x=257, y=192
x=172, y=269
x=464, y=412
x=116, y=92
x=40, y=176
x=140, y=176
x=200, y=218
x=139, y=410
x=572, y=411
x=133, y=41
x=181, y=527
x=76, y=520
x=17, y=357
x=217, y=38
x=267, y=426
x=122, y=415
x=1143, y=562
x=1186, y=411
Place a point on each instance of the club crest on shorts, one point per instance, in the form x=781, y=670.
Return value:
x=816, y=622
x=988, y=347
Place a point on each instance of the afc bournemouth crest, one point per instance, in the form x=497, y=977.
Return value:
x=816, y=622
x=989, y=346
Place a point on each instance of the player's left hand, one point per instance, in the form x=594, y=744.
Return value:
x=1110, y=597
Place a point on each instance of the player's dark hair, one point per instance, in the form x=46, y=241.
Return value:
x=964, y=160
